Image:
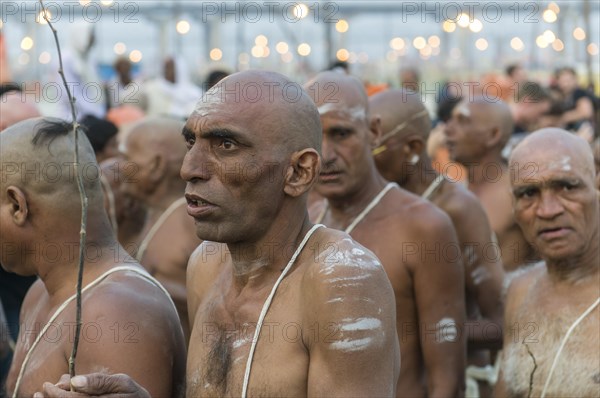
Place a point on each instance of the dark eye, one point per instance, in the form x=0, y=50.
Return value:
x=227, y=144
x=190, y=140
x=527, y=193
x=341, y=133
x=567, y=186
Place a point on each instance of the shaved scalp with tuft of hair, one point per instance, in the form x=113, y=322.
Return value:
x=40, y=152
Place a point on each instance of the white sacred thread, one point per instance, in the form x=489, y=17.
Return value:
x=267, y=304
x=433, y=186
x=564, y=341
x=366, y=210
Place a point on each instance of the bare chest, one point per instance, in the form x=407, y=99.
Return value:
x=221, y=340
x=537, y=335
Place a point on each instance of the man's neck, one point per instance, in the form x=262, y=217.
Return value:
x=254, y=261
x=488, y=169
x=60, y=274
x=419, y=181
x=346, y=209
x=577, y=269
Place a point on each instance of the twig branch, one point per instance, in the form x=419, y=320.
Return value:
x=533, y=371
x=82, y=196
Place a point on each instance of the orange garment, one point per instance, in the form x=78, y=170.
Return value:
x=124, y=114
x=373, y=89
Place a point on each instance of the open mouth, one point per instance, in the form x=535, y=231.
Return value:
x=197, y=206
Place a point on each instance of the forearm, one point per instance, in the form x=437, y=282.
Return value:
x=446, y=385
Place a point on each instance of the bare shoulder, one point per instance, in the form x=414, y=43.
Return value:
x=417, y=215
x=127, y=296
x=339, y=266
x=32, y=297
x=205, y=263
x=204, y=266
x=519, y=283
x=460, y=203
x=129, y=322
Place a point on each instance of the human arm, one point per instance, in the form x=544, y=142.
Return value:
x=484, y=272
x=440, y=301
x=131, y=327
x=584, y=110
x=350, y=297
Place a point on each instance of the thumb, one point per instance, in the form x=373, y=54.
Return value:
x=104, y=384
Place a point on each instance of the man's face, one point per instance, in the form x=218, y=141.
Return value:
x=345, y=151
x=555, y=202
x=465, y=133
x=566, y=81
x=392, y=162
x=234, y=169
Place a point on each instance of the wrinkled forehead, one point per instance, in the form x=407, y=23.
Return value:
x=546, y=163
x=342, y=111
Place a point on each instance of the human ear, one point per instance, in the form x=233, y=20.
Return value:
x=19, y=209
x=302, y=172
x=375, y=130
x=414, y=146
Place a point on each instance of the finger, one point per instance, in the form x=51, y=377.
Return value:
x=64, y=382
x=52, y=391
x=103, y=384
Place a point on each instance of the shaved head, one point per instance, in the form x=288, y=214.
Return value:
x=403, y=110
x=339, y=93
x=554, y=148
x=272, y=101
x=37, y=156
x=159, y=136
x=491, y=115
x=253, y=145
x=555, y=200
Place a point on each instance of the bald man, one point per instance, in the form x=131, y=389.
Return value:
x=329, y=319
x=129, y=323
x=475, y=135
x=168, y=238
x=414, y=240
x=401, y=156
x=552, y=312
x=127, y=214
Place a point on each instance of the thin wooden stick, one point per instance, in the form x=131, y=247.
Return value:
x=82, y=196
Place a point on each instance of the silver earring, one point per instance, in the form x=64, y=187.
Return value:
x=414, y=159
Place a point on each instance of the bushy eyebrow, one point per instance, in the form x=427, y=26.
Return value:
x=221, y=133
x=555, y=183
x=187, y=133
